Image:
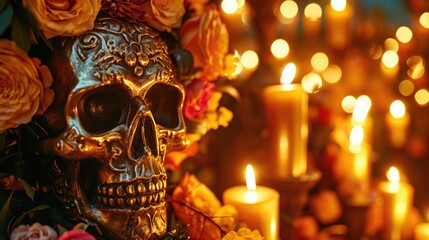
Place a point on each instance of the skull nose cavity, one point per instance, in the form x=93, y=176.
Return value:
x=144, y=141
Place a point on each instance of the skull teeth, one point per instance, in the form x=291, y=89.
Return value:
x=141, y=194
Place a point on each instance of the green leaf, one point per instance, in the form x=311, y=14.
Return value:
x=5, y=16
x=19, y=219
x=5, y=208
x=28, y=189
x=82, y=226
x=21, y=33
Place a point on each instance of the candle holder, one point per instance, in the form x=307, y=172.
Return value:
x=293, y=197
x=354, y=216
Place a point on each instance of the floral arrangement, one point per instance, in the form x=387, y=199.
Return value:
x=194, y=25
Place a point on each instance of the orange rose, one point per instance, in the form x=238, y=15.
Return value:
x=63, y=17
x=164, y=15
x=35, y=231
x=24, y=86
x=206, y=37
x=196, y=196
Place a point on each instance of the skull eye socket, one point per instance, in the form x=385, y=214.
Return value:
x=164, y=101
x=103, y=109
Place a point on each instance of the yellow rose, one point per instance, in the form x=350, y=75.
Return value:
x=206, y=37
x=35, y=231
x=164, y=15
x=24, y=86
x=63, y=17
x=195, y=204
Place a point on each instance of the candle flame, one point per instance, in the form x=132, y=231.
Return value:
x=250, y=178
x=393, y=175
x=356, y=138
x=288, y=73
x=397, y=109
x=338, y=5
x=362, y=107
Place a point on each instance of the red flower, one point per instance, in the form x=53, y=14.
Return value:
x=77, y=234
x=198, y=93
x=131, y=11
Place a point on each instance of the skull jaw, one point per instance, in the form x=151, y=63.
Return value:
x=141, y=216
x=144, y=223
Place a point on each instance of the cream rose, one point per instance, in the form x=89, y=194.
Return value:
x=206, y=37
x=24, y=86
x=63, y=17
x=35, y=231
x=164, y=15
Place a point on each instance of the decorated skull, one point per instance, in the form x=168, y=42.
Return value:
x=120, y=114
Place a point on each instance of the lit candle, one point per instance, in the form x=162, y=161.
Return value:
x=338, y=23
x=360, y=162
x=257, y=206
x=398, y=121
x=312, y=21
x=287, y=14
x=390, y=64
x=398, y=197
x=286, y=110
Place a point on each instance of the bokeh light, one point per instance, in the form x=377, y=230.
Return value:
x=319, y=61
x=289, y=9
x=332, y=74
x=416, y=67
x=390, y=59
x=348, y=104
x=391, y=44
x=229, y=6
x=422, y=97
x=397, y=109
x=406, y=87
x=404, y=34
x=424, y=20
x=338, y=5
x=311, y=82
x=250, y=60
x=280, y=49
x=313, y=11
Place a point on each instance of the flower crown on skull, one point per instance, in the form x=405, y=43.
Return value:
x=193, y=29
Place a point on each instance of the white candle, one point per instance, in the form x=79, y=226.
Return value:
x=257, y=206
x=286, y=110
x=339, y=18
x=398, y=197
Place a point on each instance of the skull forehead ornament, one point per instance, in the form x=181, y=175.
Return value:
x=122, y=113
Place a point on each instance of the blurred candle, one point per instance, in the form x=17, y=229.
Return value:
x=339, y=16
x=360, y=167
x=312, y=21
x=390, y=64
x=398, y=197
x=397, y=121
x=257, y=206
x=286, y=110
